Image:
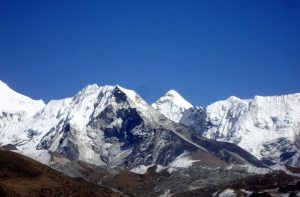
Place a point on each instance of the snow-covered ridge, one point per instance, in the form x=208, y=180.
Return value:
x=182, y=161
x=266, y=126
x=11, y=101
x=172, y=105
x=257, y=125
x=15, y=107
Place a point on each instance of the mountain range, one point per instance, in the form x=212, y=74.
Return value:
x=267, y=127
x=116, y=129
x=114, y=126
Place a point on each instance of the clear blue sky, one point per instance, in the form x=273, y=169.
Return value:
x=206, y=50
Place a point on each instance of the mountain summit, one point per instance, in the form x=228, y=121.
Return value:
x=15, y=107
x=172, y=105
x=13, y=102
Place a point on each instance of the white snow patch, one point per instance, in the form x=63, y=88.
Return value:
x=141, y=169
x=42, y=156
x=227, y=193
x=182, y=161
x=253, y=169
x=166, y=194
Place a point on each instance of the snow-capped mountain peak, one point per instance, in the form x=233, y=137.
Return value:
x=89, y=89
x=134, y=97
x=178, y=99
x=11, y=101
x=15, y=107
x=172, y=105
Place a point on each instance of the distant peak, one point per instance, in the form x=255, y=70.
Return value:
x=173, y=92
x=87, y=90
x=91, y=87
x=233, y=98
x=174, y=97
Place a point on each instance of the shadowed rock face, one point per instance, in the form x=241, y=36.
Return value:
x=284, y=150
x=196, y=118
x=132, y=133
x=119, y=95
x=149, y=151
x=69, y=151
x=130, y=120
x=67, y=146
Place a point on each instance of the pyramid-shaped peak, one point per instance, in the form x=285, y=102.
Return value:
x=233, y=98
x=176, y=98
x=173, y=92
x=172, y=105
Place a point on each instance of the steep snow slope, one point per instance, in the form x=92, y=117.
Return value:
x=15, y=107
x=267, y=127
x=172, y=105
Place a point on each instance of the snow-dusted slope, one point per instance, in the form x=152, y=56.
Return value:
x=267, y=127
x=15, y=107
x=172, y=105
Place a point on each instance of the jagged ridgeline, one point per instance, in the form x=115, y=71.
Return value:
x=110, y=136
x=267, y=127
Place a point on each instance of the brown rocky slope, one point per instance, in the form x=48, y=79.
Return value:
x=22, y=176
